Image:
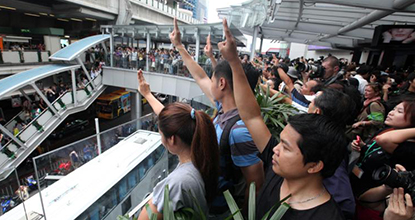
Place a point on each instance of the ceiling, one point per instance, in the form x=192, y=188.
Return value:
x=334, y=23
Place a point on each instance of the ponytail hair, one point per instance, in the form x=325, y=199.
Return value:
x=197, y=131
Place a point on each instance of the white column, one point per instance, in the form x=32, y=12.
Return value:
x=148, y=51
x=253, y=46
x=197, y=35
x=112, y=49
x=74, y=89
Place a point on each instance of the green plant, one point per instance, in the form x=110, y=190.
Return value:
x=236, y=212
x=274, y=113
x=190, y=214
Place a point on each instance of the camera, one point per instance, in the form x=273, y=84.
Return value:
x=317, y=71
x=394, y=88
x=404, y=179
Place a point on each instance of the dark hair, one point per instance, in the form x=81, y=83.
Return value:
x=336, y=105
x=223, y=69
x=200, y=135
x=364, y=69
x=252, y=75
x=353, y=93
x=333, y=61
x=409, y=110
x=318, y=87
x=321, y=140
x=411, y=77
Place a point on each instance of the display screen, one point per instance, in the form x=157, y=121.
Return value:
x=394, y=35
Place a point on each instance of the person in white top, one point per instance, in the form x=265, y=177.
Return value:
x=363, y=74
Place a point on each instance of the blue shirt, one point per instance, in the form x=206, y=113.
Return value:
x=243, y=149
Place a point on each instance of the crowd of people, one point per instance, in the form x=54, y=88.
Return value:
x=168, y=61
x=353, y=127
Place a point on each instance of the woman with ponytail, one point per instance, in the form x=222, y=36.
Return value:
x=189, y=134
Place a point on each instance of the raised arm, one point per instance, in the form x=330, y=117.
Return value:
x=245, y=100
x=286, y=79
x=202, y=79
x=144, y=89
x=209, y=52
x=390, y=140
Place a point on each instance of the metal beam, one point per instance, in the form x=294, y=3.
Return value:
x=376, y=15
x=42, y=96
x=384, y=5
x=86, y=72
x=373, y=16
x=10, y=135
x=25, y=95
x=300, y=12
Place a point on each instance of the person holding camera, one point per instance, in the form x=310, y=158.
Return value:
x=398, y=185
x=392, y=145
x=311, y=149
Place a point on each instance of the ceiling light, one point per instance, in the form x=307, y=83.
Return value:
x=75, y=19
x=52, y=15
x=5, y=7
x=42, y=13
x=61, y=19
x=67, y=36
x=33, y=15
x=90, y=19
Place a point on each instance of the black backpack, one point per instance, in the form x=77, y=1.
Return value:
x=231, y=172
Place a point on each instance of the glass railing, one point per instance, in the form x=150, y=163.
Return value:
x=52, y=166
x=15, y=57
x=40, y=122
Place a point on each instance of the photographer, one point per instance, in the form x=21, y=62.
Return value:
x=392, y=145
x=301, y=100
x=400, y=205
x=408, y=92
x=332, y=67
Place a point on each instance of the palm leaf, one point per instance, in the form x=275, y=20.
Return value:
x=232, y=206
x=252, y=202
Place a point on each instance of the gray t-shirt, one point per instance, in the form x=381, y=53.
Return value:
x=183, y=179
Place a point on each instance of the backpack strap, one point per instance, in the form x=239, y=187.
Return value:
x=368, y=107
x=225, y=150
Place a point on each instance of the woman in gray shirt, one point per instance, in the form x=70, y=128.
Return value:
x=189, y=134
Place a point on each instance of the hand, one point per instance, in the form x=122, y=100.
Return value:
x=175, y=36
x=357, y=144
x=409, y=39
x=208, y=48
x=228, y=47
x=144, y=87
x=397, y=209
x=386, y=87
x=358, y=124
x=387, y=37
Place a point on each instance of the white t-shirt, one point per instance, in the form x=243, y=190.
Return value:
x=362, y=83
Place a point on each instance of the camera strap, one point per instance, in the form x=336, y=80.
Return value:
x=368, y=152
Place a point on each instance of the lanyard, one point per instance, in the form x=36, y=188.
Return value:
x=368, y=152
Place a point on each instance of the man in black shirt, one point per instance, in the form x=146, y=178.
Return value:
x=311, y=148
